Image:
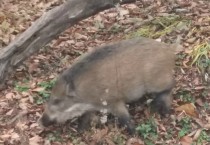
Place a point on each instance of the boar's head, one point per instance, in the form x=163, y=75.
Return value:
x=63, y=105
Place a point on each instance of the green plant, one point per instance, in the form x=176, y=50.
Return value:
x=115, y=28
x=118, y=139
x=55, y=136
x=74, y=138
x=204, y=137
x=44, y=95
x=179, y=58
x=99, y=24
x=205, y=93
x=206, y=106
x=23, y=87
x=148, y=130
x=160, y=26
x=148, y=142
x=185, y=124
x=185, y=96
x=200, y=55
x=47, y=85
x=145, y=31
x=170, y=133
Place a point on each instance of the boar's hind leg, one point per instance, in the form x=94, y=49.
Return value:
x=162, y=102
x=120, y=111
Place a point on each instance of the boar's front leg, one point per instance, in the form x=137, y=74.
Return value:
x=120, y=111
x=162, y=102
x=84, y=122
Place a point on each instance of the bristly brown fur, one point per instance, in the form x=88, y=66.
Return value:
x=112, y=76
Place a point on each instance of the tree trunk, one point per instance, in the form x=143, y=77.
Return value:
x=46, y=28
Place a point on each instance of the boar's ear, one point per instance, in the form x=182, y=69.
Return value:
x=70, y=93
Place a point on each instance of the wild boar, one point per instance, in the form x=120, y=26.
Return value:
x=111, y=76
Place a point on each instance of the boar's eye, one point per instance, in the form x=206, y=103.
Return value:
x=70, y=96
x=56, y=101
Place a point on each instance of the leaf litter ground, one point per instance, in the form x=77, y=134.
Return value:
x=183, y=22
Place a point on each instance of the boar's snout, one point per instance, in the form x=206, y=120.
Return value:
x=45, y=120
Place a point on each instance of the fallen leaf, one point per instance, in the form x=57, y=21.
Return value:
x=80, y=36
x=5, y=136
x=207, y=126
x=197, y=134
x=17, y=96
x=192, y=133
x=100, y=134
x=191, y=40
x=18, y=116
x=134, y=141
x=5, y=25
x=208, y=119
x=199, y=121
x=199, y=102
x=109, y=141
x=47, y=142
x=10, y=112
x=132, y=6
x=98, y=18
x=33, y=67
x=35, y=140
x=186, y=140
x=23, y=106
x=39, y=89
x=162, y=127
x=34, y=125
x=33, y=85
x=31, y=99
x=147, y=113
x=123, y=12
x=196, y=81
x=199, y=88
x=15, y=136
x=25, y=94
x=158, y=40
x=9, y=96
x=2, y=17
x=4, y=104
x=189, y=109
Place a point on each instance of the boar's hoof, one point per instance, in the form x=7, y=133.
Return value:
x=45, y=121
x=131, y=130
x=160, y=107
x=84, y=122
x=87, y=120
x=162, y=102
x=126, y=122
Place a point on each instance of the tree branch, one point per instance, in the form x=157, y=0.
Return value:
x=46, y=28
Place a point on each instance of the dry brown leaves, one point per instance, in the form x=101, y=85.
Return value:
x=186, y=140
x=16, y=16
x=189, y=109
x=134, y=141
x=18, y=110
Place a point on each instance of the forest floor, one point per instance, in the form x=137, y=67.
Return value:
x=174, y=21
